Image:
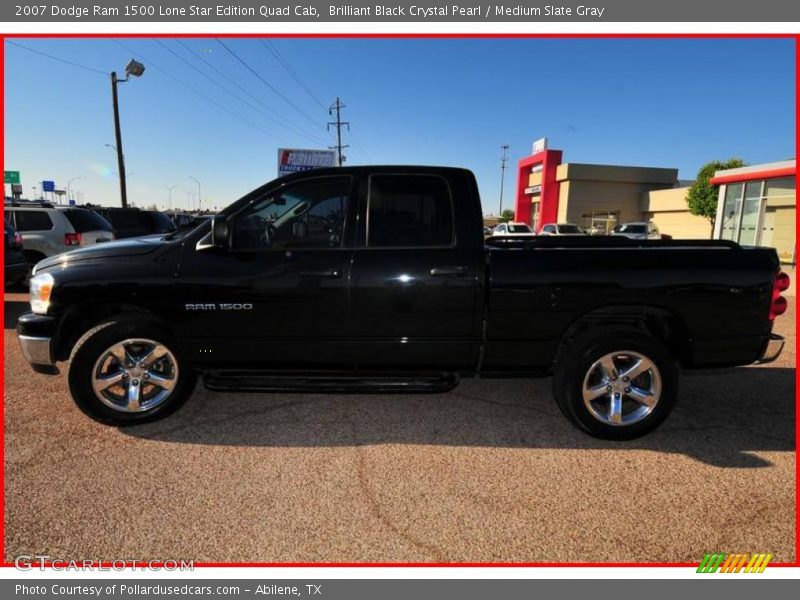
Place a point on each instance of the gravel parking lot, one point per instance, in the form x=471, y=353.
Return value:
x=490, y=471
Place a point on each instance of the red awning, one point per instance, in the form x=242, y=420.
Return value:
x=753, y=175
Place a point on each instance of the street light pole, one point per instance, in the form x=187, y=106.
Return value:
x=169, y=189
x=503, y=159
x=68, y=184
x=199, y=195
x=134, y=69
x=123, y=192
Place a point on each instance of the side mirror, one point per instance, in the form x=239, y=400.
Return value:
x=220, y=234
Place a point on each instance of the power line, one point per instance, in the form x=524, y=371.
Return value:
x=278, y=118
x=296, y=76
x=183, y=83
x=359, y=147
x=338, y=123
x=286, y=65
x=61, y=60
x=267, y=83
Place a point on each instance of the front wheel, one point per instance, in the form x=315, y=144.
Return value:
x=616, y=385
x=129, y=370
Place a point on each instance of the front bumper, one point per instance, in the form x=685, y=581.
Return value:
x=36, y=350
x=35, y=334
x=772, y=349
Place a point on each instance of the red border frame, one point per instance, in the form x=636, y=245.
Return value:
x=795, y=37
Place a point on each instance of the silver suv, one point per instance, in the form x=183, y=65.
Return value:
x=48, y=230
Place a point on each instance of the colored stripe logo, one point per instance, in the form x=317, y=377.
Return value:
x=734, y=563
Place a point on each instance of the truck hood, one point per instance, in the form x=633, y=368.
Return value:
x=125, y=247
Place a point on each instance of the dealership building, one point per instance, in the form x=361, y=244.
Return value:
x=598, y=197
x=757, y=206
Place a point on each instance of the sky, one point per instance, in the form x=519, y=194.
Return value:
x=218, y=111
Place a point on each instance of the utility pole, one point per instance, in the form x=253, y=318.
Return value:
x=503, y=159
x=338, y=106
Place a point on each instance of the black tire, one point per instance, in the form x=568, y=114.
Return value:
x=575, y=365
x=95, y=343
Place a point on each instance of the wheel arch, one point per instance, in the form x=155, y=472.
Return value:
x=661, y=323
x=82, y=317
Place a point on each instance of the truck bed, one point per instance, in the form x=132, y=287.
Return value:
x=716, y=292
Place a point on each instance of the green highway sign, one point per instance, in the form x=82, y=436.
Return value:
x=11, y=177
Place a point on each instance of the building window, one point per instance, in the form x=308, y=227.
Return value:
x=730, y=211
x=761, y=213
x=751, y=208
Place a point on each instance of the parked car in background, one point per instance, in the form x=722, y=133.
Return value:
x=48, y=230
x=562, y=229
x=515, y=229
x=638, y=231
x=134, y=222
x=16, y=269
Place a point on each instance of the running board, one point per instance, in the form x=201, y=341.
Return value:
x=367, y=383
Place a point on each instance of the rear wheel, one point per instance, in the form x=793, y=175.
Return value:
x=129, y=370
x=618, y=384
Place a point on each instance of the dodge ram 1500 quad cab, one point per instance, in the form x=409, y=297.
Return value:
x=379, y=279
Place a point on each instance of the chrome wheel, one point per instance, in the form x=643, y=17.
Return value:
x=135, y=375
x=621, y=388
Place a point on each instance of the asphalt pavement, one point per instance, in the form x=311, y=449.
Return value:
x=489, y=472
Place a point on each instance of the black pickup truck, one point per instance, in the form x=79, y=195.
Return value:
x=379, y=279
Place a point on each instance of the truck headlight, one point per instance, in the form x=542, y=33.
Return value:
x=41, y=287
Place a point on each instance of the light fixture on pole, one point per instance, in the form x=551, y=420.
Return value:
x=134, y=69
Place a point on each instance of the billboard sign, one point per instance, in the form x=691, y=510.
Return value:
x=539, y=145
x=11, y=177
x=48, y=186
x=292, y=160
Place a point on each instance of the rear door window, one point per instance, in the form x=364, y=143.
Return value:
x=409, y=211
x=130, y=220
x=33, y=220
x=86, y=220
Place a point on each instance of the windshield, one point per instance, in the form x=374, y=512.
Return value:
x=568, y=229
x=519, y=229
x=631, y=228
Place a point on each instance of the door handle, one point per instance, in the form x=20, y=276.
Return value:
x=322, y=273
x=448, y=271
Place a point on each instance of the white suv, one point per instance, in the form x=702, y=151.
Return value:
x=48, y=230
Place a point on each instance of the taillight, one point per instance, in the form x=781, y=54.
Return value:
x=17, y=238
x=72, y=239
x=778, y=304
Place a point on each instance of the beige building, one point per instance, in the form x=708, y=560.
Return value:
x=668, y=210
x=599, y=197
